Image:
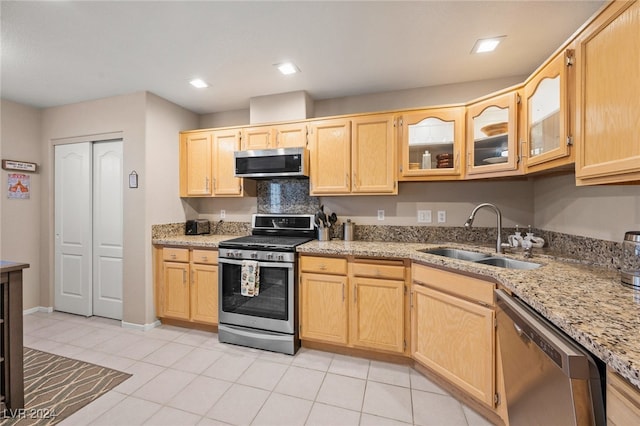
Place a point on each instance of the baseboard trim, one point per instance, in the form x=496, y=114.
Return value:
x=141, y=327
x=44, y=309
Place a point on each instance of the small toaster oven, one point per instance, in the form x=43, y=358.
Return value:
x=197, y=227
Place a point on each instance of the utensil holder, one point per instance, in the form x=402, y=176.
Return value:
x=323, y=234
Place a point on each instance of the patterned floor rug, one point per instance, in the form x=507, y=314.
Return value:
x=55, y=387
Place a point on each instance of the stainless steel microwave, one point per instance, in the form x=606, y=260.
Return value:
x=272, y=163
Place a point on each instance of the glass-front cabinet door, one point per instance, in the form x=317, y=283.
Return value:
x=492, y=130
x=432, y=144
x=547, y=126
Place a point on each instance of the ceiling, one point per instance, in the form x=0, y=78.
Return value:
x=61, y=52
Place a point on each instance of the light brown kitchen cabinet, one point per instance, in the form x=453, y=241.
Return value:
x=491, y=134
x=323, y=299
x=288, y=135
x=195, y=164
x=377, y=314
x=608, y=97
x=623, y=401
x=353, y=156
x=364, y=309
x=330, y=157
x=373, y=155
x=453, y=329
x=188, y=287
x=548, y=94
x=438, y=132
x=207, y=164
x=204, y=286
x=258, y=137
x=291, y=135
x=225, y=142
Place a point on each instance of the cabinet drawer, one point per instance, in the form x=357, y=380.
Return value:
x=623, y=401
x=175, y=254
x=394, y=272
x=455, y=284
x=323, y=265
x=209, y=257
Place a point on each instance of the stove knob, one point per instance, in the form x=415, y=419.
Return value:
x=269, y=256
x=281, y=257
x=254, y=255
x=237, y=253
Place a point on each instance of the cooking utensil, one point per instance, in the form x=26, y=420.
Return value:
x=333, y=218
x=323, y=217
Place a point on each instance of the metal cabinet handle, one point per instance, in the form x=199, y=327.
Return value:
x=343, y=292
x=355, y=294
x=206, y=183
x=322, y=267
x=173, y=256
x=184, y=277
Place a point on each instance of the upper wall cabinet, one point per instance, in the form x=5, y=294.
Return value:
x=492, y=130
x=206, y=164
x=608, y=97
x=353, y=156
x=330, y=162
x=195, y=164
x=373, y=155
x=278, y=136
x=547, y=117
x=432, y=144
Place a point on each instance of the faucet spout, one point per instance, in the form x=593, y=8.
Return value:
x=469, y=223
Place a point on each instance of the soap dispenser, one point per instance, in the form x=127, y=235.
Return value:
x=535, y=241
x=515, y=240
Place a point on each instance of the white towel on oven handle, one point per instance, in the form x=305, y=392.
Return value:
x=250, y=278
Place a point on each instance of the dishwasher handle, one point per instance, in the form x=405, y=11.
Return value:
x=572, y=360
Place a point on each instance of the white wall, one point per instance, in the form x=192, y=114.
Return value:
x=88, y=121
x=20, y=219
x=400, y=99
x=604, y=212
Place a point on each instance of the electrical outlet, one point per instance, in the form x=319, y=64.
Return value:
x=424, y=216
x=442, y=216
x=380, y=214
x=223, y=214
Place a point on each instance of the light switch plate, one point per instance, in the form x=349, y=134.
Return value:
x=424, y=216
x=442, y=216
x=380, y=214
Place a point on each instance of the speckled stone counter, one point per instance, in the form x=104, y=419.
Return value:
x=587, y=303
x=206, y=241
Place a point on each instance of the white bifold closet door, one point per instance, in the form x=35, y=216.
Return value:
x=88, y=228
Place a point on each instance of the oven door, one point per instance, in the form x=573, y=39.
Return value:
x=272, y=309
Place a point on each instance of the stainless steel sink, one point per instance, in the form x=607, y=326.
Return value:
x=457, y=254
x=482, y=258
x=503, y=262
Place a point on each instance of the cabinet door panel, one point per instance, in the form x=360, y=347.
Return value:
x=225, y=183
x=195, y=164
x=608, y=97
x=330, y=157
x=547, y=119
x=373, y=155
x=455, y=338
x=291, y=136
x=377, y=319
x=323, y=308
x=204, y=293
x=176, y=290
x=490, y=154
x=257, y=137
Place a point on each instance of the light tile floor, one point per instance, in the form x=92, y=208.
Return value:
x=186, y=377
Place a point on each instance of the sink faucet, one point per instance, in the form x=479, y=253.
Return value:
x=499, y=245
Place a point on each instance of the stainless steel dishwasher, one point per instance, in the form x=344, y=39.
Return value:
x=549, y=379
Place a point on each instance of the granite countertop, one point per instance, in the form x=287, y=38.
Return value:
x=587, y=303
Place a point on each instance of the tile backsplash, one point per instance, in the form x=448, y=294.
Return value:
x=290, y=196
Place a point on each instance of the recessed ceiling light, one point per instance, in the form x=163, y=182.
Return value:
x=486, y=44
x=200, y=84
x=287, y=68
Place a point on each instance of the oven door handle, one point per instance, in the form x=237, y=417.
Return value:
x=286, y=265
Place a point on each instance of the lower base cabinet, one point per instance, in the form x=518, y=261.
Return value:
x=453, y=329
x=187, y=285
x=359, y=304
x=623, y=401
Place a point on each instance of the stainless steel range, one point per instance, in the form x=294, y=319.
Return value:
x=258, y=284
